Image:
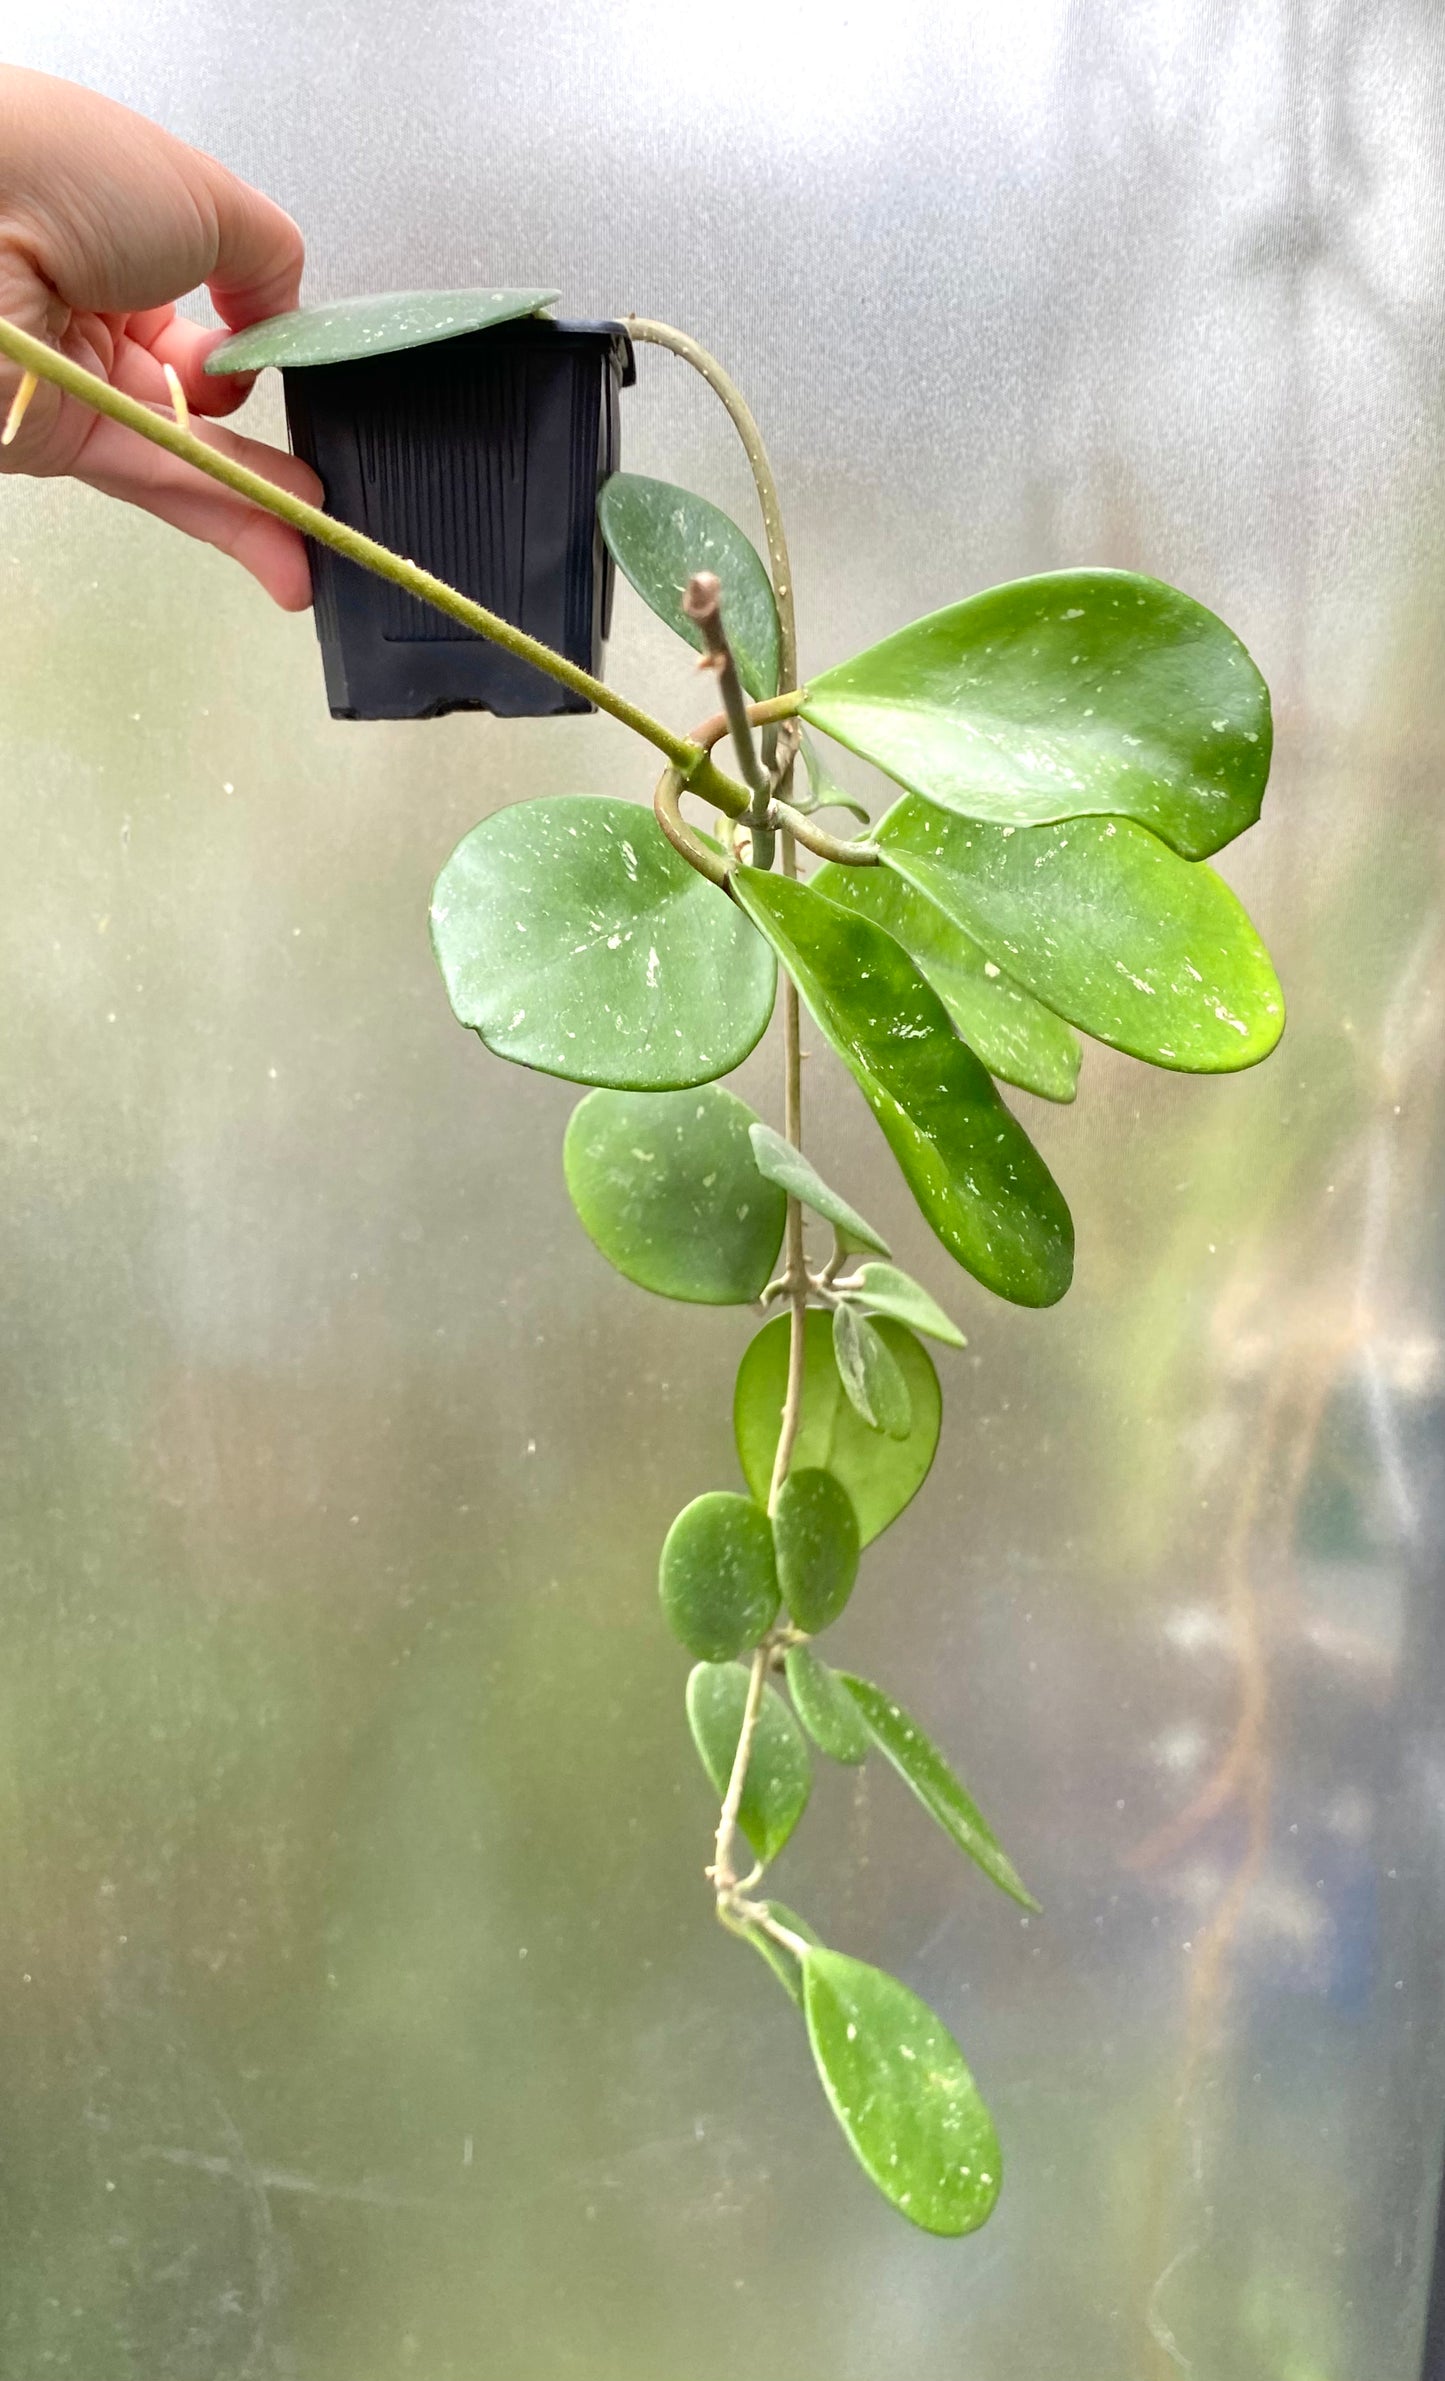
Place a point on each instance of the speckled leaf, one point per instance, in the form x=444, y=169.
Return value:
x=353, y=327
x=778, y=1161
x=970, y=1165
x=778, y=1781
x=870, y=1374
x=1081, y=692
x=574, y=939
x=718, y=1577
x=825, y=1708
x=1018, y=1039
x=922, y=1766
x=659, y=536
x=1098, y=917
x=881, y=1475
x=898, y=2085
x=665, y=1183
x=885, y=1290
x=815, y=1531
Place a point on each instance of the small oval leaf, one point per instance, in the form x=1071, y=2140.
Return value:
x=885, y=1290
x=898, y=2085
x=870, y=1374
x=659, y=536
x=665, y=1184
x=718, y=1577
x=824, y=1707
x=574, y=939
x=922, y=1766
x=355, y=327
x=778, y=1161
x=815, y=1531
x=775, y=1795
x=881, y=1475
x=1068, y=695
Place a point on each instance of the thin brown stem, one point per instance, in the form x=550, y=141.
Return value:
x=724, y=1875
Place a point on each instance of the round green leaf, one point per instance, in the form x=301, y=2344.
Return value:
x=881, y=1475
x=574, y=939
x=977, y=1177
x=899, y=2088
x=870, y=1374
x=884, y=1290
x=718, y=1577
x=665, y=1183
x=1080, y=692
x=778, y=1161
x=815, y=1531
x=1018, y=1039
x=355, y=327
x=659, y=536
x=775, y=1795
x=824, y=1707
x=922, y=1766
x=1099, y=918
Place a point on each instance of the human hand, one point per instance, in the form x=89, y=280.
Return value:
x=105, y=220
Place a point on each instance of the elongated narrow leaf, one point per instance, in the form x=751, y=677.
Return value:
x=881, y=1475
x=815, y=1531
x=659, y=536
x=922, y=1766
x=778, y=1161
x=718, y=1577
x=1080, y=692
x=824, y=791
x=371, y=326
x=898, y=2085
x=1018, y=1039
x=870, y=1374
x=825, y=1708
x=970, y=1165
x=1098, y=917
x=884, y=1290
x=779, y=1776
x=573, y=939
x=665, y=1183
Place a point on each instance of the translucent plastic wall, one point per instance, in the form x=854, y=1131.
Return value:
x=361, y=2013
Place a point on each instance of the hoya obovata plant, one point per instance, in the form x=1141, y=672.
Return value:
x=1068, y=751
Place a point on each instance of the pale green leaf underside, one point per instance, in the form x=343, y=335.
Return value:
x=881, y=1475
x=781, y=1163
x=779, y=1776
x=870, y=1374
x=1076, y=693
x=666, y=1185
x=922, y=1766
x=885, y=1290
x=659, y=536
x=718, y=1577
x=825, y=1707
x=355, y=327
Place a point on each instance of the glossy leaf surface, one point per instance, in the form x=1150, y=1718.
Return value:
x=1080, y=692
x=573, y=939
x=886, y=1290
x=881, y=1475
x=1018, y=1039
x=870, y=1373
x=780, y=1162
x=659, y=536
x=970, y=1165
x=1142, y=949
x=815, y=1532
x=825, y=1707
x=666, y=1185
x=922, y=1766
x=718, y=1579
x=898, y=2085
x=779, y=1776
x=353, y=327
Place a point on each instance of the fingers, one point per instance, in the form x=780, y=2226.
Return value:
x=120, y=464
x=259, y=251
x=185, y=346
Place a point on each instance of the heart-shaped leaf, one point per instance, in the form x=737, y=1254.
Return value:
x=1098, y=917
x=666, y=1185
x=977, y=1177
x=922, y=1766
x=718, y=1578
x=574, y=939
x=884, y=1290
x=881, y=1475
x=870, y=1373
x=825, y=1708
x=815, y=1532
x=775, y=1795
x=354, y=327
x=898, y=2085
x=778, y=1161
x=659, y=536
x=1080, y=692
x=1018, y=1039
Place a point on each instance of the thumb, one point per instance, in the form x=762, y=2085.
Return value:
x=259, y=252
